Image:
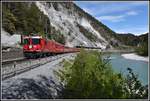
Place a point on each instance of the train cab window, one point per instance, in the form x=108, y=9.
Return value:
x=26, y=41
x=35, y=41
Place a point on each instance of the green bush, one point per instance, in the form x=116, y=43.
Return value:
x=89, y=76
x=133, y=87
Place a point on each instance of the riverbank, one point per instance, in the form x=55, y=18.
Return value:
x=134, y=56
x=117, y=51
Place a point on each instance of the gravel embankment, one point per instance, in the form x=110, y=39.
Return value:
x=17, y=67
x=38, y=83
x=12, y=53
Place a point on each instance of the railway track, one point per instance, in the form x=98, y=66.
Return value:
x=15, y=67
x=12, y=60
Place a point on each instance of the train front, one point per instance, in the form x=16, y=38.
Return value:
x=31, y=46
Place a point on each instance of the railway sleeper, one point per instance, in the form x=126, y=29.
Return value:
x=33, y=55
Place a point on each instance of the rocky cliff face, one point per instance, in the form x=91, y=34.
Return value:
x=61, y=20
x=78, y=27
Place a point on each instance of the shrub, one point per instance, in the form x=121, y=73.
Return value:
x=134, y=88
x=91, y=77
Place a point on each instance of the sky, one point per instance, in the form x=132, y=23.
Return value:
x=120, y=16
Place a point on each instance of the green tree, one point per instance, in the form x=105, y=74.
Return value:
x=9, y=20
x=24, y=17
x=91, y=77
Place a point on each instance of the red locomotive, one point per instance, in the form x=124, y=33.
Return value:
x=36, y=46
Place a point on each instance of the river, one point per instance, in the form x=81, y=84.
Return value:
x=120, y=64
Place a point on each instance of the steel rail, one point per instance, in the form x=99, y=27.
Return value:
x=27, y=68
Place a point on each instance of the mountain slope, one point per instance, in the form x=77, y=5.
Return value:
x=79, y=27
x=131, y=39
x=60, y=20
x=20, y=17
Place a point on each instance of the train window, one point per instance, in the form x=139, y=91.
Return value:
x=35, y=41
x=26, y=41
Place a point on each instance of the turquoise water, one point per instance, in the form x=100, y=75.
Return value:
x=120, y=64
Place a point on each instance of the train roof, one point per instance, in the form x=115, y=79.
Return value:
x=32, y=37
x=36, y=37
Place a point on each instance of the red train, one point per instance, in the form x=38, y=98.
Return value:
x=36, y=46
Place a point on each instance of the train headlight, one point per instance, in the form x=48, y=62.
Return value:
x=30, y=46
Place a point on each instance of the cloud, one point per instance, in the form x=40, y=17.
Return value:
x=117, y=18
x=134, y=30
x=132, y=13
x=112, y=18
